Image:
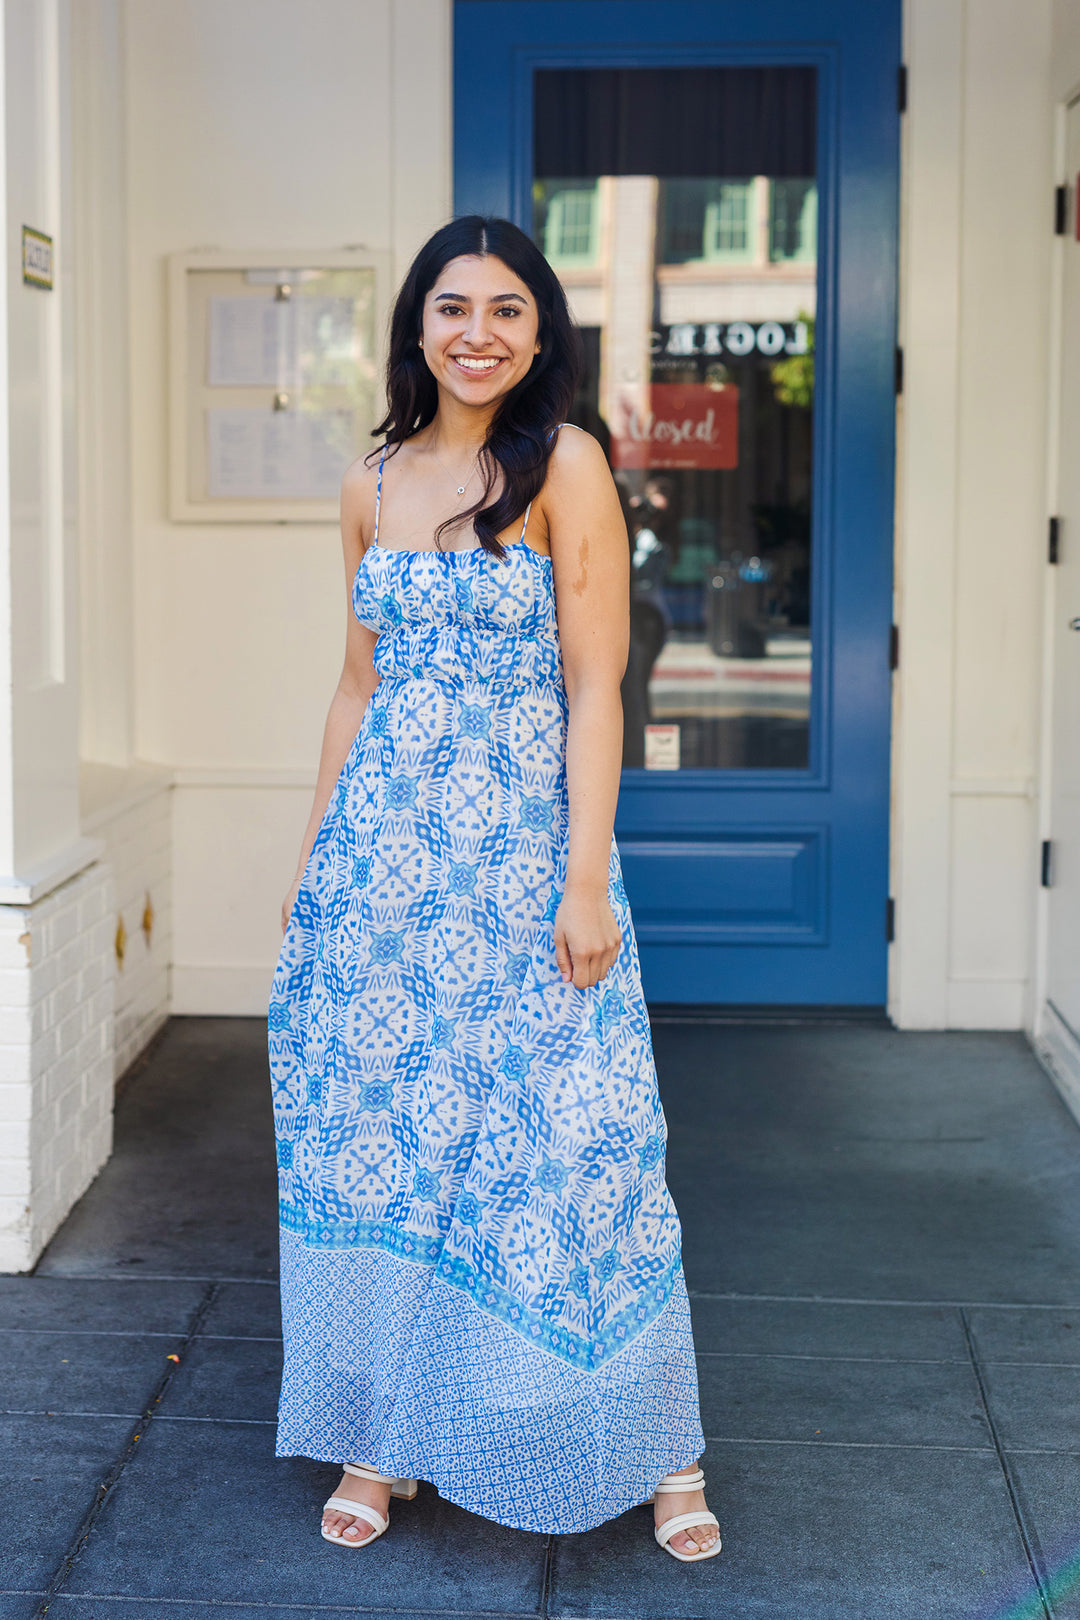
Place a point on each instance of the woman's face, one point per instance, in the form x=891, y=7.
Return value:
x=480, y=330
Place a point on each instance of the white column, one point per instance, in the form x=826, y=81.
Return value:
x=56, y=990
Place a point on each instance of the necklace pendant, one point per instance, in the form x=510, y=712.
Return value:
x=461, y=490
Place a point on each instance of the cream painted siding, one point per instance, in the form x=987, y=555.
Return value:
x=257, y=124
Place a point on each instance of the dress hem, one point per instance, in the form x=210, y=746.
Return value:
x=509, y=1523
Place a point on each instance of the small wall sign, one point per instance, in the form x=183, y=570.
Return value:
x=662, y=748
x=37, y=258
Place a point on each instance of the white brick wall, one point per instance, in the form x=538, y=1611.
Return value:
x=135, y=823
x=56, y=1057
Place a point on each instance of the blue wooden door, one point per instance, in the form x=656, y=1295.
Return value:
x=746, y=153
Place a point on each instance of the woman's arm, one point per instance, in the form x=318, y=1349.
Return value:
x=358, y=678
x=591, y=563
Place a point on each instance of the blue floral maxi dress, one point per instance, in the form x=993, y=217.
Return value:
x=481, y=1276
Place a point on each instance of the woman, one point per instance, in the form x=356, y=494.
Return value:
x=480, y=1261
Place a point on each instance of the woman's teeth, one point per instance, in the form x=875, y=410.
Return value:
x=470, y=364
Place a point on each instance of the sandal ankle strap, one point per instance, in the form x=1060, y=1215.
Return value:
x=674, y=1483
x=362, y=1472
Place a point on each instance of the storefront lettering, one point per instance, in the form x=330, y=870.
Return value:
x=739, y=338
x=658, y=430
x=685, y=425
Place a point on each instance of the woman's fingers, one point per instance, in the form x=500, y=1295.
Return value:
x=563, y=958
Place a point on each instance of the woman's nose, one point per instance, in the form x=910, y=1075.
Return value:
x=476, y=332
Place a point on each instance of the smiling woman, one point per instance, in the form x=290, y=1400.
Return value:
x=481, y=324
x=480, y=1259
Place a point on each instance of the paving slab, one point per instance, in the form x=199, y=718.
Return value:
x=96, y=1305
x=1050, y=1502
x=97, y=1607
x=243, y=1527
x=872, y=1164
x=1026, y=1335
x=51, y=1468
x=853, y=1402
x=1036, y=1408
x=19, y=1605
x=820, y=1328
x=108, y=1373
x=244, y=1311
x=191, y=1188
x=813, y=1534
x=227, y=1378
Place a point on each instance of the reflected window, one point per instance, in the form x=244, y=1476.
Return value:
x=680, y=208
x=568, y=224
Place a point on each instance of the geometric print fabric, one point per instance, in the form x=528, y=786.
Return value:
x=470, y=1151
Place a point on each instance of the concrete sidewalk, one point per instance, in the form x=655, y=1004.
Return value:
x=882, y=1243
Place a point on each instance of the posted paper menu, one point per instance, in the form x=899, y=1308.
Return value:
x=264, y=343
x=262, y=454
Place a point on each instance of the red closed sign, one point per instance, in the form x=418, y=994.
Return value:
x=688, y=425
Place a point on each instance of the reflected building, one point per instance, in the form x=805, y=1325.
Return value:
x=696, y=296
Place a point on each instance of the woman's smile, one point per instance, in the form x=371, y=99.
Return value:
x=477, y=365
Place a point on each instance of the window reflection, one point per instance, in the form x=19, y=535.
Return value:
x=696, y=294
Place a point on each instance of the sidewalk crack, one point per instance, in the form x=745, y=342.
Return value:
x=137, y=1434
x=1003, y=1464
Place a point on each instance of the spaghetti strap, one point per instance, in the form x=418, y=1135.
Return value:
x=528, y=509
x=378, y=495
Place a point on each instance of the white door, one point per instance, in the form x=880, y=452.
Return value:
x=1061, y=1023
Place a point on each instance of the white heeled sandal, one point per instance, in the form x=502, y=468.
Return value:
x=405, y=1488
x=683, y=1521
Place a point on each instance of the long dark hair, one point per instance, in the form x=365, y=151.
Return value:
x=519, y=440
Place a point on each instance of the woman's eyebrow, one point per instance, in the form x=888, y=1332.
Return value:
x=463, y=298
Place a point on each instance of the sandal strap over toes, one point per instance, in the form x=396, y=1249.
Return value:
x=685, y=1521
x=356, y=1510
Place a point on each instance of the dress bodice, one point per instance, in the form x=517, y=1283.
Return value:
x=461, y=617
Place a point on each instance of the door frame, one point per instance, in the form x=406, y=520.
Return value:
x=588, y=34
x=1054, y=1039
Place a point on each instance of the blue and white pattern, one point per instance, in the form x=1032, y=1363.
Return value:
x=481, y=1276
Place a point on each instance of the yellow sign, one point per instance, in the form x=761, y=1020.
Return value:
x=37, y=258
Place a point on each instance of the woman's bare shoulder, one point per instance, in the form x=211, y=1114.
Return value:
x=577, y=470
x=358, y=486
x=576, y=452
x=360, y=477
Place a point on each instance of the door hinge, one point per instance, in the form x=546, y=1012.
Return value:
x=1046, y=876
x=1061, y=210
x=894, y=646
x=901, y=88
x=898, y=365
x=890, y=920
x=1054, y=549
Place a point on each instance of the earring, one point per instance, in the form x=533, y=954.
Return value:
x=420, y=343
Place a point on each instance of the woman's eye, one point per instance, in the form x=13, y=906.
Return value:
x=449, y=309
x=511, y=309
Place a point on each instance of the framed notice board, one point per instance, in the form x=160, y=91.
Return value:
x=274, y=381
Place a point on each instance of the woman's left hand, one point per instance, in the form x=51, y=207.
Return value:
x=587, y=937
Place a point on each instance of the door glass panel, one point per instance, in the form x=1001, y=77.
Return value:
x=679, y=208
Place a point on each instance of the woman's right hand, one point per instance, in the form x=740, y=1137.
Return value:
x=288, y=903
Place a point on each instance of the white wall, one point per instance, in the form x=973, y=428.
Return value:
x=254, y=124
x=261, y=124
x=972, y=512
x=56, y=993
